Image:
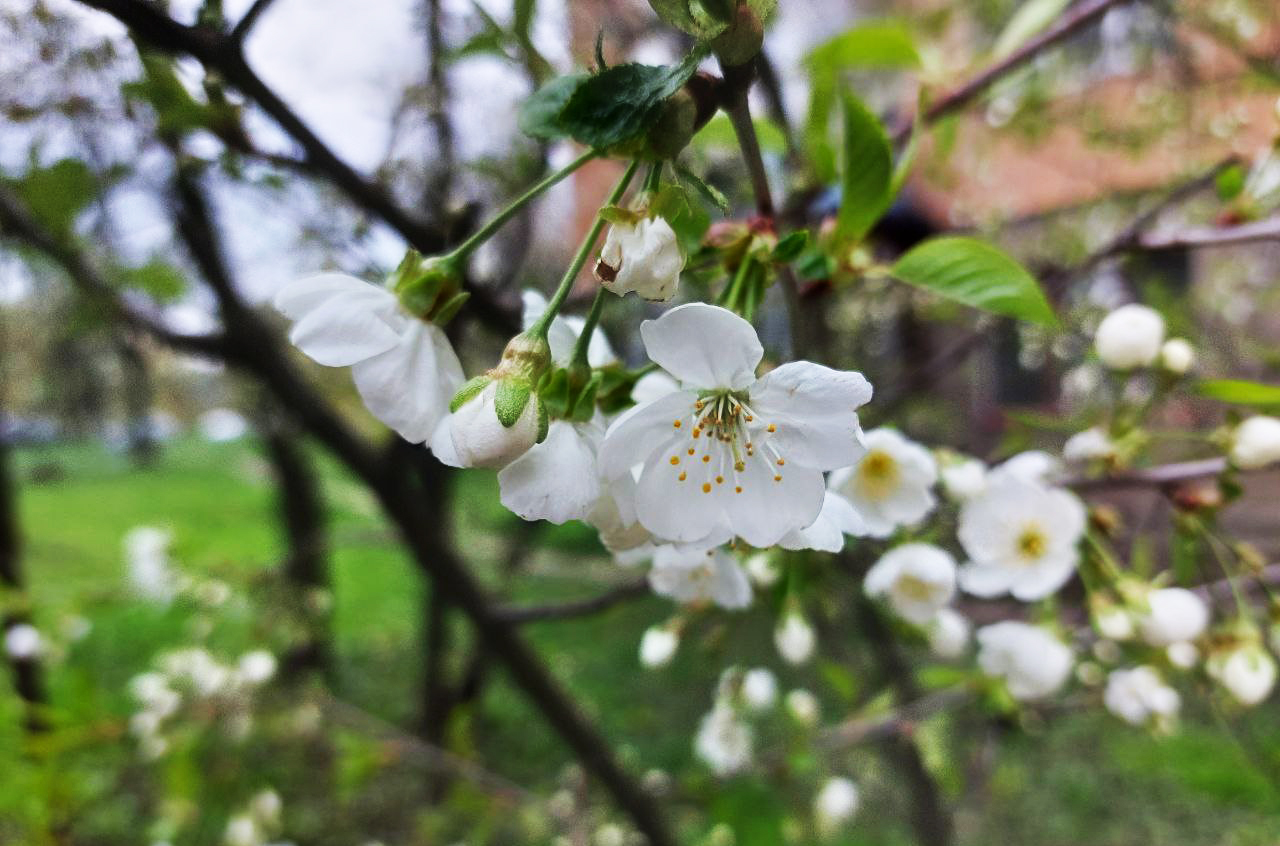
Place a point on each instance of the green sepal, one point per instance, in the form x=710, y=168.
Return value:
x=510, y=399
x=468, y=392
x=790, y=247
x=613, y=390
x=544, y=420
x=554, y=390
x=583, y=404
x=449, y=309
x=619, y=215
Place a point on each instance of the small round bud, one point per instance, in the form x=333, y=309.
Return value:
x=803, y=707
x=488, y=430
x=835, y=804
x=759, y=689
x=1256, y=442
x=643, y=257
x=1177, y=356
x=794, y=639
x=948, y=633
x=658, y=646
x=1130, y=337
x=675, y=126
x=741, y=42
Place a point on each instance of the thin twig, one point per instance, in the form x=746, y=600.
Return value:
x=576, y=608
x=1161, y=476
x=242, y=28
x=1213, y=236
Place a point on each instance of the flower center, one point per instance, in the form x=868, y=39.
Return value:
x=878, y=474
x=913, y=587
x=724, y=436
x=1032, y=543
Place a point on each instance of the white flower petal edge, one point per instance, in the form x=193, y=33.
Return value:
x=826, y=534
x=692, y=574
x=917, y=579
x=405, y=370
x=704, y=346
x=555, y=480
x=1033, y=662
x=891, y=483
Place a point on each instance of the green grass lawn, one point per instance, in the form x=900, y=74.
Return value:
x=1082, y=780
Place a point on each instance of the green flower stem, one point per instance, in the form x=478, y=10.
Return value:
x=589, y=327
x=485, y=232
x=540, y=328
x=653, y=181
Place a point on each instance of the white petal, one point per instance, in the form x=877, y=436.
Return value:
x=409, y=387
x=640, y=430
x=675, y=510
x=300, y=297
x=1043, y=579
x=767, y=510
x=836, y=519
x=813, y=408
x=554, y=481
x=985, y=581
x=704, y=346
x=338, y=324
x=442, y=443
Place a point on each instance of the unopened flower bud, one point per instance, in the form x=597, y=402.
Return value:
x=794, y=638
x=498, y=424
x=658, y=646
x=835, y=804
x=1247, y=671
x=759, y=689
x=643, y=257
x=740, y=43
x=1129, y=337
x=1256, y=442
x=802, y=706
x=1177, y=356
x=1173, y=615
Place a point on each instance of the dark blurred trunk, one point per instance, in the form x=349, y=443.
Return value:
x=138, y=395
x=27, y=677
x=306, y=568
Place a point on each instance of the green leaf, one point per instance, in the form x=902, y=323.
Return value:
x=702, y=20
x=977, y=274
x=161, y=280
x=1030, y=19
x=621, y=103
x=510, y=399
x=719, y=133
x=1230, y=183
x=885, y=44
x=868, y=171
x=540, y=114
x=710, y=192
x=791, y=246
x=1240, y=392
x=57, y=194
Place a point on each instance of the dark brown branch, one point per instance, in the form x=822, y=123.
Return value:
x=1072, y=21
x=578, y=608
x=246, y=23
x=17, y=223
x=219, y=52
x=1152, y=477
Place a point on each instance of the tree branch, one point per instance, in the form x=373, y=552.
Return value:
x=577, y=608
x=1072, y=21
x=1213, y=236
x=242, y=28
x=1161, y=476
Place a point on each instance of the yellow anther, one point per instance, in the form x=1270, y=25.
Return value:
x=719, y=480
x=675, y=459
x=692, y=450
x=771, y=428
x=777, y=478
x=677, y=424
x=750, y=418
x=706, y=487
x=740, y=466
x=706, y=459
x=737, y=489
x=683, y=475
x=781, y=462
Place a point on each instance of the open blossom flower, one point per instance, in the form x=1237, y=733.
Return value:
x=1173, y=615
x=1035, y=466
x=917, y=578
x=802, y=706
x=730, y=454
x=1033, y=662
x=963, y=477
x=1129, y=337
x=1256, y=442
x=835, y=804
x=891, y=483
x=723, y=741
x=948, y=633
x=1139, y=694
x=692, y=574
x=1247, y=671
x=794, y=638
x=404, y=368
x=826, y=534
x=643, y=257
x=1021, y=538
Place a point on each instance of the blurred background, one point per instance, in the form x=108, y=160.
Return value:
x=164, y=514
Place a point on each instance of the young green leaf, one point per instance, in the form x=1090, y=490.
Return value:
x=791, y=246
x=540, y=114
x=1240, y=392
x=710, y=192
x=977, y=274
x=58, y=193
x=875, y=44
x=868, y=171
x=1030, y=19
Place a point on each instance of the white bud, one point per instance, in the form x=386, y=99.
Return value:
x=1090, y=445
x=609, y=834
x=1177, y=355
x=1256, y=442
x=1130, y=337
x=22, y=642
x=835, y=804
x=794, y=638
x=1139, y=694
x=658, y=646
x=643, y=257
x=1182, y=655
x=803, y=707
x=763, y=569
x=965, y=479
x=1248, y=673
x=242, y=831
x=480, y=439
x=265, y=807
x=1113, y=622
x=759, y=689
x=948, y=633
x=1173, y=615
x=257, y=666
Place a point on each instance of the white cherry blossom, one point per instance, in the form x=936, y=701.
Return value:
x=1129, y=337
x=802, y=706
x=404, y=368
x=836, y=803
x=730, y=454
x=557, y=480
x=1247, y=671
x=794, y=638
x=962, y=477
x=693, y=574
x=724, y=741
x=948, y=633
x=918, y=579
x=826, y=534
x=1034, y=465
x=1093, y=444
x=1177, y=356
x=1256, y=442
x=890, y=485
x=1033, y=663
x=1021, y=538
x=658, y=646
x=1139, y=694
x=759, y=689
x=1173, y=615
x=22, y=642
x=643, y=257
